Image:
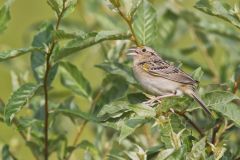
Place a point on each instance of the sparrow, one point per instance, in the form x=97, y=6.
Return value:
x=161, y=79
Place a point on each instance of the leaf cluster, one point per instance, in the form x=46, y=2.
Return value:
x=123, y=126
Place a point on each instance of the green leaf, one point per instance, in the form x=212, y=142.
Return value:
x=134, y=7
x=56, y=5
x=177, y=125
x=57, y=143
x=215, y=98
x=24, y=123
x=113, y=87
x=115, y=157
x=135, y=98
x=41, y=39
x=178, y=154
x=130, y=125
x=6, y=55
x=179, y=103
x=154, y=150
x=73, y=79
x=230, y=110
x=105, y=34
x=118, y=108
x=18, y=99
x=86, y=145
x=197, y=74
x=167, y=129
x=203, y=37
x=219, y=9
x=35, y=148
x=198, y=150
x=144, y=23
x=70, y=7
x=114, y=53
x=114, y=110
x=176, y=140
x=164, y=154
x=188, y=50
x=218, y=29
x=218, y=151
x=116, y=3
x=62, y=34
x=118, y=69
x=139, y=154
x=167, y=27
x=5, y=15
x=213, y=27
x=69, y=104
x=6, y=154
x=77, y=114
x=143, y=110
x=86, y=41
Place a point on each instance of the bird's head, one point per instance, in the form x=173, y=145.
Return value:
x=142, y=52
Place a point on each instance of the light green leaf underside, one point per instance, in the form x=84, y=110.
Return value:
x=144, y=22
x=18, y=99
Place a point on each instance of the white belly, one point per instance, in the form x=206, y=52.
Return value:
x=155, y=85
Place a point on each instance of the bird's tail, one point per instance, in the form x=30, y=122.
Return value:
x=202, y=104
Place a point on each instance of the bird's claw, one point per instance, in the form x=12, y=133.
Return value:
x=152, y=102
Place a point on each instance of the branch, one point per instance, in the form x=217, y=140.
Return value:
x=24, y=137
x=128, y=20
x=182, y=114
x=219, y=130
x=84, y=123
x=148, y=135
x=45, y=82
x=235, y=88
x=215, y=131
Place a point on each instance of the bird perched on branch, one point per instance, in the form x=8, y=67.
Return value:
x=161, y=79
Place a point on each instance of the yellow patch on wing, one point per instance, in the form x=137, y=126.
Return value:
x=146, y=68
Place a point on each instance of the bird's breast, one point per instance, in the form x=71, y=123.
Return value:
x=153, y=84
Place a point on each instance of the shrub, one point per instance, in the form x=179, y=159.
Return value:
x=202, y=39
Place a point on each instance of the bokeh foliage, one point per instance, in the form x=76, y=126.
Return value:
x=203, y=39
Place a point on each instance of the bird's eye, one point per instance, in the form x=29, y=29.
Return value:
x=144, y=50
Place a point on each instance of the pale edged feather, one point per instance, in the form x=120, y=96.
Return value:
x=160, y=68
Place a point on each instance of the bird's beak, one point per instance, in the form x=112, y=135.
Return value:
x=132, y=52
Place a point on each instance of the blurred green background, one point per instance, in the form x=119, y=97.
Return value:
x=25, y=15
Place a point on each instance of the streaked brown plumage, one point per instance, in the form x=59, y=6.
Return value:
x=161, y=79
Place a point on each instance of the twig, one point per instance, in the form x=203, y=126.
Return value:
x=128, y=20
x=148, y=135
x=84, y=123
x=45, y=83
x=79, y=133
x=182, y=114
x=235, y=88
x=215, y=131
x=211, y=65
x=24, y=137
x=221, y=130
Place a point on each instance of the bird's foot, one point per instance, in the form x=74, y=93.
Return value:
x=151, y=102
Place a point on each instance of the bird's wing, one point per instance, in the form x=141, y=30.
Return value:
x=160, y=68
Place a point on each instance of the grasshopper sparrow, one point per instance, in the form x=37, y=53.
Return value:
x=161, y=79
